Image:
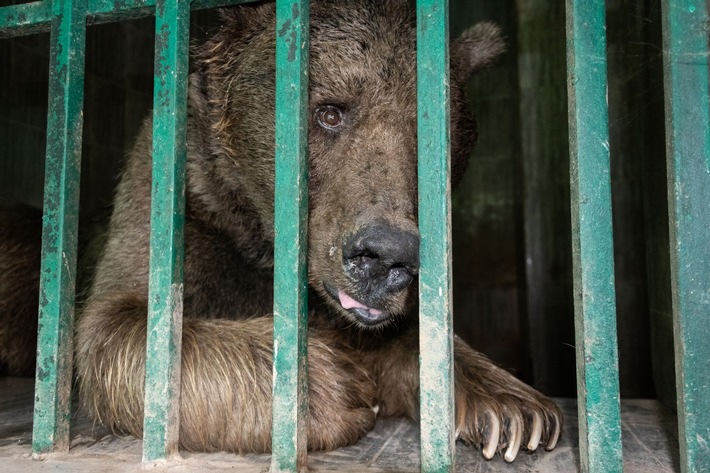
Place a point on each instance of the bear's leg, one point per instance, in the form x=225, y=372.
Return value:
x=225, y=401
x=494, y=410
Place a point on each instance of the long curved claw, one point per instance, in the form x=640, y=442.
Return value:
x=514, y=439
x=536, y=434
x=554, y=436
x=492, y=444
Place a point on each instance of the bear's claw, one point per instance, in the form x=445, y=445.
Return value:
x=498, y=412
x=506, y=428
x=514, y=439
x=494, y=435
x=534, y=440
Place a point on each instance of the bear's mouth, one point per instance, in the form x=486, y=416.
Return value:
x=365, y=315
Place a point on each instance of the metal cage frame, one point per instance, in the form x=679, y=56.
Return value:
x=687, y=104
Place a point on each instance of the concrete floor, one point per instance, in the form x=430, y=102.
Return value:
x=649, y=436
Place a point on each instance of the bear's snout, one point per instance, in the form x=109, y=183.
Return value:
x=381, y=257
x=379, y=261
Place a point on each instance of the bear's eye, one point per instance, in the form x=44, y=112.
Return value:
x=329, y=117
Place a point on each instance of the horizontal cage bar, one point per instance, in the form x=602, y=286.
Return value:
x=35, y=17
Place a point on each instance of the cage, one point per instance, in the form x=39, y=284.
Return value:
x=596, y=115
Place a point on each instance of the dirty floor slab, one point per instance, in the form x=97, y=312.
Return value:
x=650, y=446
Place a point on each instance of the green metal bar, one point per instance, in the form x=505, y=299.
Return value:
x=162, y=385
x=102, y=11
x=35, y=17
x=59, y=229
x=435, y=299
x=685, y=37
x=290, y=400
x=592, y=239
x=25, y=18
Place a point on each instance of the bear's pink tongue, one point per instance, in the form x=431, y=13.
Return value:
x=349, y=303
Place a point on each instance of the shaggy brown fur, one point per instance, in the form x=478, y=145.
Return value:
x=20, y=233
x=363, y=197
x=20, y=252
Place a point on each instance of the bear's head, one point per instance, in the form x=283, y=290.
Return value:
x=363, y=237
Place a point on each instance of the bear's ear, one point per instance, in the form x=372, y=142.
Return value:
x=477, y=48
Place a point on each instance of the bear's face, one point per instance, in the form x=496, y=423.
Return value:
x=363, y=237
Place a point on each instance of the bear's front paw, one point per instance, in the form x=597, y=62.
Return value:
x=341, y=395
x=498, y=412
x=506, y=423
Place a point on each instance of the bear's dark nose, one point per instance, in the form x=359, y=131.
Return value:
x=383, y=257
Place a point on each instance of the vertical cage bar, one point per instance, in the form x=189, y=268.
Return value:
x=59, y=227
x=164, y=338
x=592, y=239
x=687, y=104
x=290, y=378
x=435, y=300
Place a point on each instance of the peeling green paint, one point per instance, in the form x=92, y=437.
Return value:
x=290, y=379
x=592, y=241
x=435, y=302
x=685, y=37
x=59, y=228
x=26, y=18
x=164, y=338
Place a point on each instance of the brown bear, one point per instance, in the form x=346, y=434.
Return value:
x=363, y=245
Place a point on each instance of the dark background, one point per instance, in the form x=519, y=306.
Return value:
x=512, y=248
